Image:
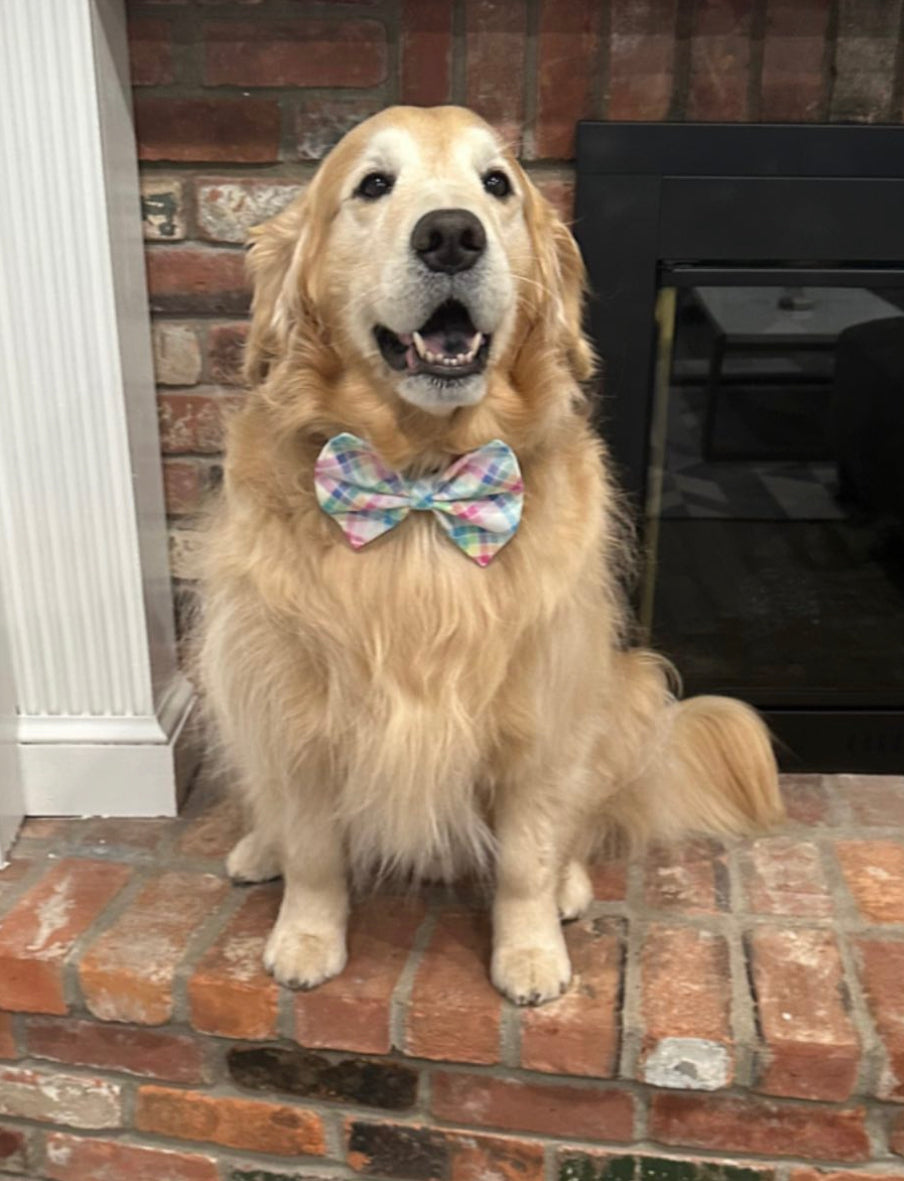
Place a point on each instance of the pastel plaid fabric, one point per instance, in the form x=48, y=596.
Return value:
x=477, y=500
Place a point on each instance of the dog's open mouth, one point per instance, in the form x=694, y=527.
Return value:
x=447, y=345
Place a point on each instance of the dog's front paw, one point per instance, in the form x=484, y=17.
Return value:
x=301, y=959
x=252, y=861
x=532, y=975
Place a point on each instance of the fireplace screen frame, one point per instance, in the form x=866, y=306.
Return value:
x=661, y=205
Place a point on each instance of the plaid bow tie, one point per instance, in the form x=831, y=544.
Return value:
x=477, y=499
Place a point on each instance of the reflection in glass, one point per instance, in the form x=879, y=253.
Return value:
x=775, y=520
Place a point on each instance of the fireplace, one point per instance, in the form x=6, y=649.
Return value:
x=748, y=305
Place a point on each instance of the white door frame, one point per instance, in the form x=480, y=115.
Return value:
x=102, y=708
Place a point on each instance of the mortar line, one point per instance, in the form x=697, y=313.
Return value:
x=401, y=995
x=745, y=1031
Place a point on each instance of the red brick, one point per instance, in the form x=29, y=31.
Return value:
x=99, y=835
x=207, y=130
x=785, y=876
x=882, y=971
x=686, y=993
x=42, y=828
x=559, y=192
x=184, y=550
x=75, y=1158
x=426, y=65
x=171, y=1057
x=455, y=1012
x=568, y=65
x=691, y=877
x=551, y=1110
x=720, y=61
x=808, y=1174
x=758, y=1125
x=322, y=122
x=162, y=208
x=579, y=1033
x=14, y=1150
x=230, y=993
x=127, y=974
x=7, y=1037
x=183, y=486
x=493, y=1158
x=874, y=799
x=150, y=52
x=177, y=353
x=78, y=1101
x=227, y=209
x=641, y=59
x=864, y=63
x=247, y=1124
x=38, y=934
x=807, y=799
x=183, y=279
x=295, y=53
x=226, y=352
x=352, y=1011
x=792, y=87
x=874, y=873
x=812, y=1048
x=396, y=1150
x=192, y=423
x=496, y=40
x=214, y=832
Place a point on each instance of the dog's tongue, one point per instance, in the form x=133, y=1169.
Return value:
x=450, y=343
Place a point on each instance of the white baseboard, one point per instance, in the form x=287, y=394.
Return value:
x=114, y=778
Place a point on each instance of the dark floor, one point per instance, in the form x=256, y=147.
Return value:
x=772, y=608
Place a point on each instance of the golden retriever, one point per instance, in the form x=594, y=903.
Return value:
x=400, y=706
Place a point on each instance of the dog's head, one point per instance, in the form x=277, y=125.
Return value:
x=422, y=254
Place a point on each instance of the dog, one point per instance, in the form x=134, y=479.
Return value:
x=414, y=641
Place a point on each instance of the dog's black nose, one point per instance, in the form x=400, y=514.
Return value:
x=449, y=240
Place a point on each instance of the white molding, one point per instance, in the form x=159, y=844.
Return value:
x=83, y=554
x=121, y=779
x=108, y=730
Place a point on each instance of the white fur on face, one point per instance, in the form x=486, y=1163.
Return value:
x=389, y=283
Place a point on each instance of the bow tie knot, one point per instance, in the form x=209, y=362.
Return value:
x=477, y=500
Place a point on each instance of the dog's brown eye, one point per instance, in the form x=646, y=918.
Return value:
x=497, y=183
x=375, y=185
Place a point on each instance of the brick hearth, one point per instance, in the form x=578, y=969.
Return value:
x=737, y=1013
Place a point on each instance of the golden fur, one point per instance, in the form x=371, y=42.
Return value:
x=399, y=707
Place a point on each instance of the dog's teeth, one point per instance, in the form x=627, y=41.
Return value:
x=476, y=341
x=419, y=344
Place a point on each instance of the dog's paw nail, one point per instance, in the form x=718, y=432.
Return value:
x=300, y=960
x=531, y=976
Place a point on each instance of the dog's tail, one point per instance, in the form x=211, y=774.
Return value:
x=702, y=765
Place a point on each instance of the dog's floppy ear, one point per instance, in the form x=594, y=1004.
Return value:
x=562, y=281
x=276, y=264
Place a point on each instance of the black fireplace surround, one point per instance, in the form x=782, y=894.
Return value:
x=700, y=205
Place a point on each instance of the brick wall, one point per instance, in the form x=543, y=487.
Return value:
x=237, y=100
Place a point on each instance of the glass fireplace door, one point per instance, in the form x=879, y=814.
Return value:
x=774, y=527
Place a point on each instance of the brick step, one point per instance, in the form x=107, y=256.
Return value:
x=737, y=998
